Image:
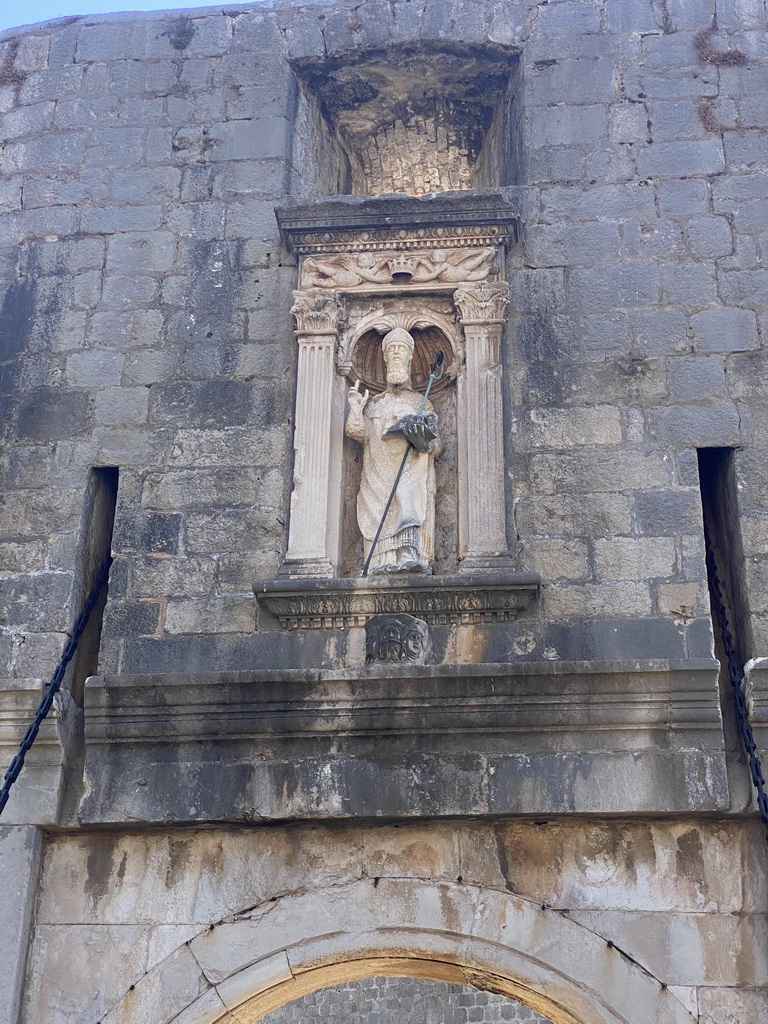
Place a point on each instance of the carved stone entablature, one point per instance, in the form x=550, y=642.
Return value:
x=344, y=603
x=357, y=224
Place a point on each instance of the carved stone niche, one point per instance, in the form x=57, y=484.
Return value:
x=435, y=267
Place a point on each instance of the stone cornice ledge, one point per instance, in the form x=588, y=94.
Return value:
x=468, y=598
x=305, y=228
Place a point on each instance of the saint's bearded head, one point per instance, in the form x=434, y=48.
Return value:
x=397, y=347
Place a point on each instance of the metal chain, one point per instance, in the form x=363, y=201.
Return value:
x=737, y=685
x=53, y=687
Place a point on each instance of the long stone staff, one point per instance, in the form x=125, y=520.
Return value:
x=436, y=371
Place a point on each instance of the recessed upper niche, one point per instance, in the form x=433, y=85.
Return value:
x=405, y=119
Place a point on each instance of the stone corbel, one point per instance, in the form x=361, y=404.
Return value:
x=482, y=526
x=318, y=315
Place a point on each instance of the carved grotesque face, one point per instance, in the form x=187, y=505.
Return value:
x=397, y=357
x=413, y=641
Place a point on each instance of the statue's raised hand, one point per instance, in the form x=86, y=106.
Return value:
x=355, y=399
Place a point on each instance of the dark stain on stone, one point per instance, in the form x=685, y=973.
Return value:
x=16, y=317
x=178, y=859
x=688, y=857
x=98, y=868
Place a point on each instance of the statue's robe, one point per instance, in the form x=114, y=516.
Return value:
x=408, y=534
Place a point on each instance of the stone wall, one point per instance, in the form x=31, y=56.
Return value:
x=146, y=299
x=392, y=1000
x=145, y=326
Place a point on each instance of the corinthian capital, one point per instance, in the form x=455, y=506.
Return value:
x=316, y=311
x=482, y=303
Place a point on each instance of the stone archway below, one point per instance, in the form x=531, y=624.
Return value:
x=255, y=961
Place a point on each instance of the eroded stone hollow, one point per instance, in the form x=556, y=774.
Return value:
x=419, y=120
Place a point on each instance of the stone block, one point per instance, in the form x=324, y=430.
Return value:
x=266, y=138
x=148, y=367
x=567, y=124
x=144, y=253
x=690, y=285
x=628, y=123
x=626, y=284
x=686, y=949
x=108, y=220
x=244, y=530
x=630, y=16
x=568, y=428
x=231, y=447
x=556, y=559
x=682, y=601
x=49, y=414
x=121, y=406
x=599, y=470
x=666, y=158
x=746, y=149
x=583, y=515
x=207, y=404
x=722, y=1005
x=666, y=512
x=20, y=858
x=94, y=368
x=105, y=42
x=582, y=81
x=568, y=18
x=674, y=120
x=174, y=577
x=709, y=237
x=95, y=981
x=744, y=287
x=590, y=600
x=697, y=378
x=151, y=532
x=54, y=84
x=660, y=331
x=560, y=865
x=635, y=558
x=605, y=333
x=132, y=618
x=38, y=603
x=175, y=983
x=22, y=556
x=698, y=426
x=725, y=330
x=179, y=488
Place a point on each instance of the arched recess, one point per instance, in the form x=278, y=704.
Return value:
x=238, y=970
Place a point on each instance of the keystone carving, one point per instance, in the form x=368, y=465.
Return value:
x=396, y=639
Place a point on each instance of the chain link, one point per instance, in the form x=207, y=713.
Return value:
x=53, y=687
x=737, y=684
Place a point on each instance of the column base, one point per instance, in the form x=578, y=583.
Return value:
x=494, y=561
x=306, y=568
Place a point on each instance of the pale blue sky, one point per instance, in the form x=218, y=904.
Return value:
x=28, y=12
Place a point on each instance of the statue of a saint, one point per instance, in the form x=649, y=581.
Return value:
x=386, y=425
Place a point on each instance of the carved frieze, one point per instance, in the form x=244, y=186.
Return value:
x=370, y=270
x=344, y=603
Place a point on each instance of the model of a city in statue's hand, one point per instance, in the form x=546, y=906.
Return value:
x=386, y=425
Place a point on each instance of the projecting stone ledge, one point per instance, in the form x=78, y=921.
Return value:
x=348, y=602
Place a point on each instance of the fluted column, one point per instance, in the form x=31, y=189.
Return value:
x=482, y=526
x=316, y=312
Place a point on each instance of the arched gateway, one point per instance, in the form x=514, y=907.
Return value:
x=257, y=961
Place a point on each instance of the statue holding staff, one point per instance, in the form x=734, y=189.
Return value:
x=387, y=425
